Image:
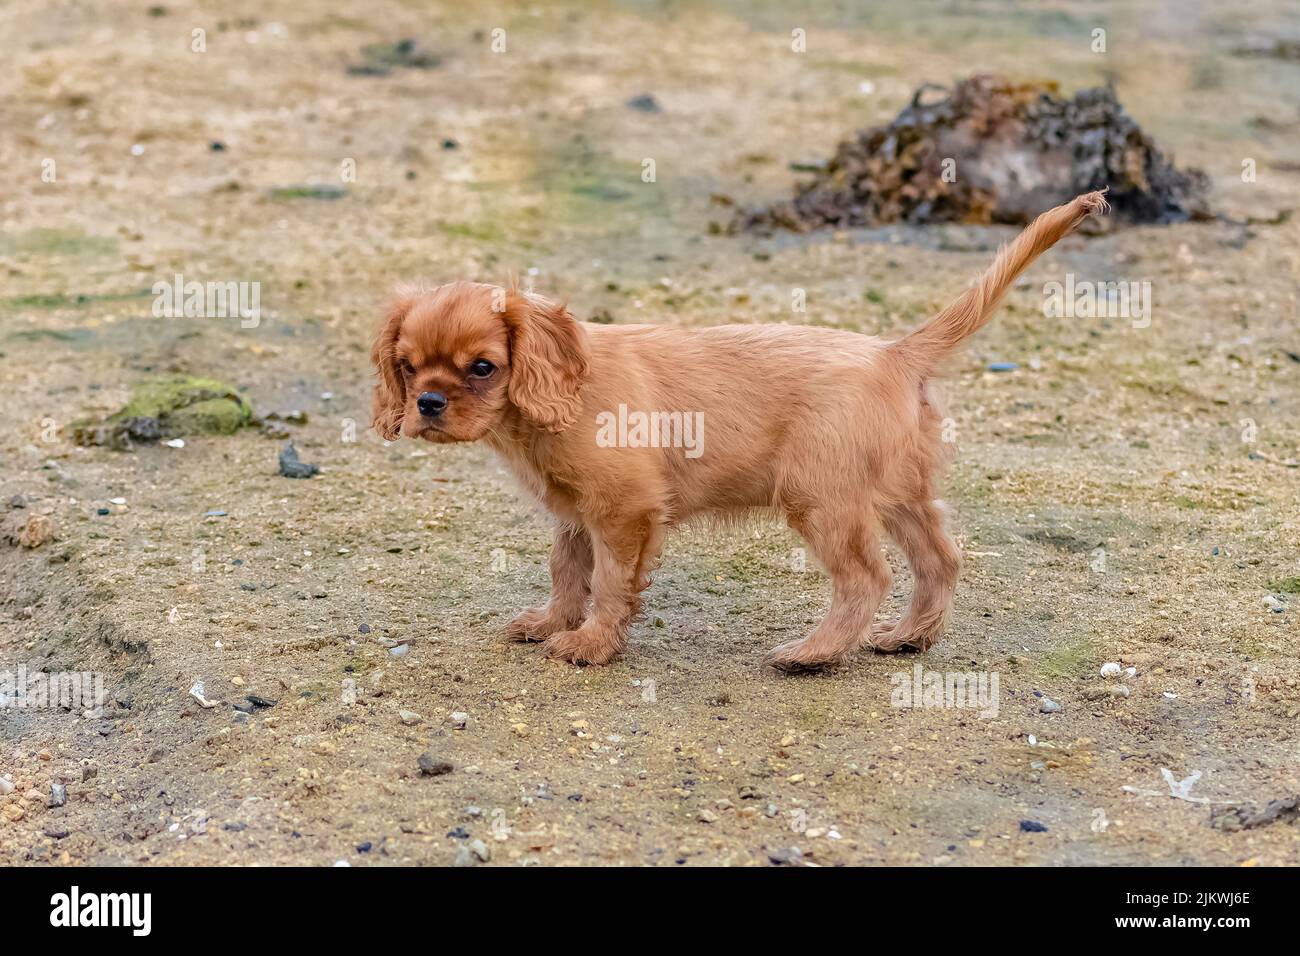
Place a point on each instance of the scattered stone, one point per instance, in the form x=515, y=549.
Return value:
x=399, y=651
x=1270, y=602
x=381, y=59
x=58, y=795
x=431, y=766
x=364, y=629
x=786, y=856
x=1021, y=148
x=1101, y=693
x=707, y=816
x=6, y=786
x=291, y=467
x=480, y=850
x=464, y=857
x=14, y=812
x=309, y=191
x=459, y=719
x=1245, y=816
x=260, y=702
x=56, y=832
x=1049, y=706
x=37, y=531
x=197, y=692
x=409, y=717
x=645, y=103
x=1110, y=669
x=649, y=691
x=1003, y=366
x=1032, y=826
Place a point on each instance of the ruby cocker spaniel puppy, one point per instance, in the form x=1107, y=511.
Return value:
x=606, y=425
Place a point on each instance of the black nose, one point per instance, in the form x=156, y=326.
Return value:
x=431, y=404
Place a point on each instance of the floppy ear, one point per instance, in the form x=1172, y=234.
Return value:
x=548, y=360
x=390, y=390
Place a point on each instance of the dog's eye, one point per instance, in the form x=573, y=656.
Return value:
x=482, y=369
x=406, y=367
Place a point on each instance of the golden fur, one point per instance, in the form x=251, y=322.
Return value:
x=838, y=431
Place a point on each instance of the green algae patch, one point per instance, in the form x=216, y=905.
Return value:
x=160, y=409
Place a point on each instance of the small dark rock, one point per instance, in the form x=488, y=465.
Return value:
x=291, y=467
x=55, y=832
x=1032, y=826
x=217, y=146
x=645, y=103
x=786, y=856
x=365, y=847
x=58, y=795
x=431, y=766
x=234, y=826
x=257, y=701
x=364, y=629
x=458, y=833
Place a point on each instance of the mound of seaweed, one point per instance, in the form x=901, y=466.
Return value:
x=991, y=151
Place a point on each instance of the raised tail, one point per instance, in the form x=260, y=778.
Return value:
x=925, y=349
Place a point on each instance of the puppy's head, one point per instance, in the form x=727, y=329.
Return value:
x=454, y=361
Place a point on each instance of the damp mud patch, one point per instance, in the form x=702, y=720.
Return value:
x=169, y=408
x=990, y=151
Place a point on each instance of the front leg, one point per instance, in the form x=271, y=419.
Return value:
x=571, y=563
x=624, y=551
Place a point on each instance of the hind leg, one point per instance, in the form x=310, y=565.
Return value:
x=917, y=528
x=848, y=548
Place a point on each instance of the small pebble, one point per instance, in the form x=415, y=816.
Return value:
x=58, y=795
x=409, y=717
x=431, y=766
x=787, y=856
x=1032, y=826
x=1048, y=706
x=1110, y=669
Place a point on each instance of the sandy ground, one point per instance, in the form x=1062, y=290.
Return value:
x=1106, y=501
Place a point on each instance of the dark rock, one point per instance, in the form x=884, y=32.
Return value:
x=645, y=103
x=1032, y=826
x=431, y=766
x=260, y=702
x=291, y=467
x=1245, y=817
x=786, y=856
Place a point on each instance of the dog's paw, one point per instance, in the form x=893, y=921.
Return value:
x=534, y=624
x=586, y=645
x=801, y=657
x=894, y=638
